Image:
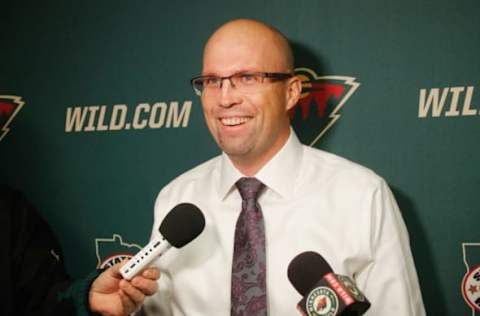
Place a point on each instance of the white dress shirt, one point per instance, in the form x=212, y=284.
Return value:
x=313, y=201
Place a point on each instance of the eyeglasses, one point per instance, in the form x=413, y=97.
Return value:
x=245, y=82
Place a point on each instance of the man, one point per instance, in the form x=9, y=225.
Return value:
x=34, y=279
x=307, y=199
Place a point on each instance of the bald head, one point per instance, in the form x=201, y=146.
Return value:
x=265, y=44
x=249, y=126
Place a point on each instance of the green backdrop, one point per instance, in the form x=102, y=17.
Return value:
x=101, y=116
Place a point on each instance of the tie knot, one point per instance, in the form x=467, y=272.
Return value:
x=249, y=188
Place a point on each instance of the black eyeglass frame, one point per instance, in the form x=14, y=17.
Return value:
x=269, y=75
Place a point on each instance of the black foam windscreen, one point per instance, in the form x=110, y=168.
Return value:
x=182, y=224
x=306, y=269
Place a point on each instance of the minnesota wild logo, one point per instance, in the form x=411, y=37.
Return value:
x=471, y=279
x=322, y=301
x=320, y=104
x=10, y=105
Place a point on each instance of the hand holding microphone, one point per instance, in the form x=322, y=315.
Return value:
x=110, y=294
x=181, y=225
x=115, y=293
x=324, y=293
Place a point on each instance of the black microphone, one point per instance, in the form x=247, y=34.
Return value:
x=324, y=293
x=181, y=225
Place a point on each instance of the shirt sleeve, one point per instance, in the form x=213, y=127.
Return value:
x=390, y=281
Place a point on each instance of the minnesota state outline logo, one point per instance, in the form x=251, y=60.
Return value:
x=10, y=105
x=320, y=104
x=111, y=251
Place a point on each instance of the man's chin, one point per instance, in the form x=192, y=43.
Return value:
x=236, y=150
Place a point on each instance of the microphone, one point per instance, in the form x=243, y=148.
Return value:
x=181, y=225
x=324, y=293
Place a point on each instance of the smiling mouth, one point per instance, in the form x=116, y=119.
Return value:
x=233, y=121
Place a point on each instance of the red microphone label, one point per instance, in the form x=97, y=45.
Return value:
x=335, y=284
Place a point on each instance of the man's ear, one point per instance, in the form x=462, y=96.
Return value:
x=294, y=89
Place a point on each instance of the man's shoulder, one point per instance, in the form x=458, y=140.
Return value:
x=199, y=173
x=336, y=168
x=190, y=186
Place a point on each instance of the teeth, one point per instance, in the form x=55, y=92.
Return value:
x=230, y=121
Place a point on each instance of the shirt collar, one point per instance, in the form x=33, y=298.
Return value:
x=228, y=176
x=279, y=174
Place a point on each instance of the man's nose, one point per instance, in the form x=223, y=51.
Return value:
x=228, y=94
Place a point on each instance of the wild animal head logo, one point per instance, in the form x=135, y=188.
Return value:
x=320, y=103
x=10, y=105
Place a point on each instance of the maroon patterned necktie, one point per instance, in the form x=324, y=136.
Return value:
x=249, y=290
